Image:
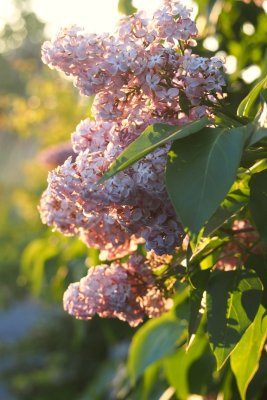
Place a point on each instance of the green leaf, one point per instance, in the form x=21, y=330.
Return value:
x=154, y=340
x=126, y=7
x=200, y=172
x=258, y=262
x=260, y=123
x=198, y=280
x=246, y=356
x=248, y=102
x=258, y=135
x=258, y=202
x=190, y=371
x=33, y=261
x=233, y=299
x=153, y=136
x=152, y=387
x=206, y=247
x=195, y=316
x=236, y=199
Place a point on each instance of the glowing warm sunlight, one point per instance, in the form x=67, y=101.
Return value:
x=86, y=13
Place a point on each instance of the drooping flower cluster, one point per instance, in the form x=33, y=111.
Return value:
x=143, y=74
x=122, y=290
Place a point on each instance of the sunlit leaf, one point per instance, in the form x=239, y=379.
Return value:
x=260, y=123
x=126, y=7
x=233, y=299
x=154, y=136
x=247, y=103
x=245, y=357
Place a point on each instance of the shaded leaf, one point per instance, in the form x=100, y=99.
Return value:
x=236, y=199
x=258, y=262
x=233, y=299
x=153, y=136
x=258, y=202
x=190, y=371
x=199, y=281
x=195, y=316
x=246, y=356
x=195, y=167
x=152, y=387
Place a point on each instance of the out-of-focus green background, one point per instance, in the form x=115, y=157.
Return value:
x=44, y=353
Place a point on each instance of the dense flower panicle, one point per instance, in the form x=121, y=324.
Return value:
x=139, y=76
x=125, y=291
x=144, y=73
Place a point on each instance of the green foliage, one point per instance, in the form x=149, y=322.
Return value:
x=156, y=339
x=258, y=202
x=247, y=103
x=191, y=371
x=246, y=356
x=195, y=166
x=235, y=200
x=231, y=313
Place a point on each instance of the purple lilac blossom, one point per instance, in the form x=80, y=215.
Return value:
x=141, y=75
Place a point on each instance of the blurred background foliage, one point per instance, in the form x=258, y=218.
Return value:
x=50, y=355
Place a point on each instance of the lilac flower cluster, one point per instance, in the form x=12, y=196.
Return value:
x=126, y=291
x=143, y=74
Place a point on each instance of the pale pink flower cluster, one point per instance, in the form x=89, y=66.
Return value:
x=138, y=76
x=126, y=291
x=143, y=74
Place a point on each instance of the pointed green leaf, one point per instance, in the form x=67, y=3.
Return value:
x=198, y=280
x=200, y=172
x=196, y=313
x=190, y=371
x=258, y=202
x=153, y=136
x=152, y=341
x=126, y=7
x=246, y=356
x=236, y=199
x=247, y=103
x=260, y=124
x=233, y=299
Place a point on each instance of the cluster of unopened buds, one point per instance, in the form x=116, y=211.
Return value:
x=144, y=73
